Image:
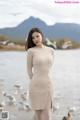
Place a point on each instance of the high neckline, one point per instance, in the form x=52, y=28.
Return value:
x=40, y=47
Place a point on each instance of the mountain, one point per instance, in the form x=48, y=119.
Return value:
x=56, y=31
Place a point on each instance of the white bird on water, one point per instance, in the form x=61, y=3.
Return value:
x=56, y=107
x=2, y=104
x=72, y=109
x=23, y=106
x=11, y=99
x=27, y=106
x=18, y=86
x=24, y=96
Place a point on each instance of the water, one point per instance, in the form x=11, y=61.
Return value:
x=13, y=68
x=66, y=76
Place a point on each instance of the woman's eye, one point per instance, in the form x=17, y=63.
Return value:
x=37, y=36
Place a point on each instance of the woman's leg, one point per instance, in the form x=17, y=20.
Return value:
x=38, y=114
x=45, y=114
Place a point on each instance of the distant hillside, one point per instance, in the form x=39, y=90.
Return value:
x=57, y=31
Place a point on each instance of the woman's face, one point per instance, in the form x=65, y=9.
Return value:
x=37, y=38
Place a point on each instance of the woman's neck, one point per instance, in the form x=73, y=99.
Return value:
x=40, y=46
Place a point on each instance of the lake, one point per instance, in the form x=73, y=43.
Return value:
x=65, y=72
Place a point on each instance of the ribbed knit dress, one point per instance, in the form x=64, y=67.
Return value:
x=39, y=66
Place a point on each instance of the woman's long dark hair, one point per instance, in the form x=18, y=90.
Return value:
x=29, y=42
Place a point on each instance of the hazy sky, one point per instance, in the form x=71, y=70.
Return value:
x=13, y=12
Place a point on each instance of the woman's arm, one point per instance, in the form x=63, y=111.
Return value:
x=29, y=63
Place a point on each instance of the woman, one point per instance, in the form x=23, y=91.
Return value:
x=39, y=63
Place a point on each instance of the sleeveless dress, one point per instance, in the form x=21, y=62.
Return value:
x=39, y=64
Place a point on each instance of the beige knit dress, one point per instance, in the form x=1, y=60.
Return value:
x=39, y=64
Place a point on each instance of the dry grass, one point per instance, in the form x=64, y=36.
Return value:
x=12, y=48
